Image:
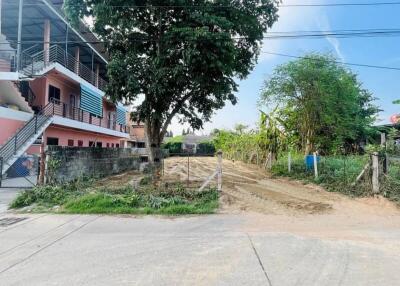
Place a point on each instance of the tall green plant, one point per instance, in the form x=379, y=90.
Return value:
x=321, y=103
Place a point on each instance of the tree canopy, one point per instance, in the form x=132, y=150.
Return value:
x=183, y=56
x=321, y=103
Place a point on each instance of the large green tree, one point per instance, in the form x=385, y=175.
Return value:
x=182, y=55
x=321, y=103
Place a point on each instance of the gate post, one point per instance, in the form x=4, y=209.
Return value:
x=375, y=173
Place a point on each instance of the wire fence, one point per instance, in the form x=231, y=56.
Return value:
x=187, y=169
x=351, y=174
x=23, y=173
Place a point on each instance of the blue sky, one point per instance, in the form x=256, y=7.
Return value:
x=384, y=51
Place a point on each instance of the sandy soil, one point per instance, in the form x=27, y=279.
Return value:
x=290, y=206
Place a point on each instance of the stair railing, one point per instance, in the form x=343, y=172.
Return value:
x=26, y=91
x=30, y=128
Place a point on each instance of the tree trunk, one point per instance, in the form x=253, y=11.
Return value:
x=154, y=138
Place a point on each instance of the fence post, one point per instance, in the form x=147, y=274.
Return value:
x=219, y=154
x=315, y=166
x=289, y=162
x=188, y=170
x=375, y=173
x=386, y=164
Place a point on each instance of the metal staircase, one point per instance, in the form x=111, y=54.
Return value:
x=25, y=137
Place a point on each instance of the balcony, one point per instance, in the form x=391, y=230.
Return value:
x=58, y=108
x=34, y=65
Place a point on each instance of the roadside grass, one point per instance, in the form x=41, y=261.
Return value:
x=339, y=173
x=81, y=197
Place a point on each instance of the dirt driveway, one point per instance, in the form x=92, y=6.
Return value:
x=289, y=206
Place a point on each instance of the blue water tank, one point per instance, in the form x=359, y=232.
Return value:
x=309, y=160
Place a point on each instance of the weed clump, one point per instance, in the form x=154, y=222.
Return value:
x=83, y=199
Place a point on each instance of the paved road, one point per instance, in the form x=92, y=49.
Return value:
x=224, y=249
x=6, y=197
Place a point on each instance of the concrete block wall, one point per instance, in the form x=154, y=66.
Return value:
x=64, y=164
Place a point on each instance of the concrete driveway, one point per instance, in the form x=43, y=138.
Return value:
x=224, y=249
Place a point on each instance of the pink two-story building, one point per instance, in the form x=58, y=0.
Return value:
x=52, y=85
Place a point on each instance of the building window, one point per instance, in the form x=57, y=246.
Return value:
x=54, y=93
x=70, y=142
x=141, y=144
x=91, y=144
x=52, y=141
x=112, y=145
x=108, y=145
x=99, y=144
x=80, y=143
x=117, y=145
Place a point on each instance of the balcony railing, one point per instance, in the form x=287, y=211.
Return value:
x=71, y=112
x=8, y=60
x=36, y=63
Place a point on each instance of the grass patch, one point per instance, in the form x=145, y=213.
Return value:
x=335, y=173
x=82, y=198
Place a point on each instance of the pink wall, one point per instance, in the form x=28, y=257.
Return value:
x=8, y=128
x=64, y=134
x=66, y=89
x=39, y=88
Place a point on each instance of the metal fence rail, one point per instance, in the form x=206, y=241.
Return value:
x=33, y=64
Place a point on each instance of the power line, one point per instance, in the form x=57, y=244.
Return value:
x=342, y=4
x=269, y=36
x=334, y=61
x=395, y=3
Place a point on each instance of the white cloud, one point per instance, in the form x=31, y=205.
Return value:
x=290, y=19
x=324, y=25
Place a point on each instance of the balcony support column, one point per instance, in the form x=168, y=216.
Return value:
x=19, y=37
x=97, y=75
x=77, y=59
x=46, y=40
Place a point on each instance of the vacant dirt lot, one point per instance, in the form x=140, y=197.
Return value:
x=289, y=205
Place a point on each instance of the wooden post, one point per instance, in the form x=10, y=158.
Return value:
x=269, y=165
x=383, y=139
x=42, y=169
x=386, y=164
x=315, y=166
x=219, y=154
x=289, y=162
x=375, y=173
x=188, y=171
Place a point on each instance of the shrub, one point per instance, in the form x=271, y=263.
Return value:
x=205, y=148
x=173, y=147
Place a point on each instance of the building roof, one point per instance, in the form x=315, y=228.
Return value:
x=34, y=13
x=195, y=139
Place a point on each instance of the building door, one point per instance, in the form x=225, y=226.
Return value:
x=111, y=119
x=72, y=104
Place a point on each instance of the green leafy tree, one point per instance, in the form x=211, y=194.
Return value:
x=322, y=104
x=183, y=56
x=240, y=128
